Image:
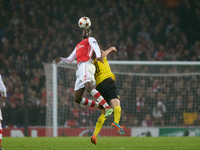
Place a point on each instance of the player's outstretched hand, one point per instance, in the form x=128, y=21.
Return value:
x=112, y=49
x=106, y=52
x=58, y=59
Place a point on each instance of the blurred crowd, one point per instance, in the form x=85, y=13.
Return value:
x=36, y=32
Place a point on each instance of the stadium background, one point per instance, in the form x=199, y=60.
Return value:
x=33, y=32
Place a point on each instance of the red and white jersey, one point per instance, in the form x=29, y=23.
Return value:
x=83, y=51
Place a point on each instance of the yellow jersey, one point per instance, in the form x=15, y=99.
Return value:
x=189, y=118
x=103, y=71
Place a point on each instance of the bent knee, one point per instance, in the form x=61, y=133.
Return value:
x=78, y=100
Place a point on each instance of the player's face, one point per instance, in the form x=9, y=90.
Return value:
x=83, y=34
x=86, y=33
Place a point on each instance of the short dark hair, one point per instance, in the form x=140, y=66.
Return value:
x=86, y=33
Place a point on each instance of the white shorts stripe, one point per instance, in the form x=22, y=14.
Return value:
x=96, y=105
x=89, y=102
x=100, y=98
x=105, y=105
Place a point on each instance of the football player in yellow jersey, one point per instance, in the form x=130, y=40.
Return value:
x=105, y=84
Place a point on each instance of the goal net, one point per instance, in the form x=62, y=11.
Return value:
x=152, y=94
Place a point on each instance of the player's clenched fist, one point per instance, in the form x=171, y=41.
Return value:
x=113, y=49
x=58, y=59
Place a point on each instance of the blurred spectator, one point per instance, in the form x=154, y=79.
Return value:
x=197, y=122
x=124, y=120
x=130, y=121
x=178, y=113
x=197, y=100
x=173, y=121
x=84, y=117
x=33, y=98
x=41, y=113
x=189, y=115
x=170, y=108
x=63, y=110
x=32, y=113
x=140, y=101
x=158, y=114
x=14, y=114
x=71, y=122
x=145, y=109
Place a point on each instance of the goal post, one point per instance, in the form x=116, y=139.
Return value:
x=55, y=109
x=154, y=94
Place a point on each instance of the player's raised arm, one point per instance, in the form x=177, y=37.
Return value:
x=68, y=60
x=93, y=43
x=106, y=52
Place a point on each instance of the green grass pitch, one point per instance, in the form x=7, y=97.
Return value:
x=103, y=143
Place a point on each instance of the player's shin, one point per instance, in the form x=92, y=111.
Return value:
x=0, y=133
x=99, y=98
x=117, y=114
x=99, y=124
x=89, y=103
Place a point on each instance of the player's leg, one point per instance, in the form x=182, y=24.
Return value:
x=98, y=126
x=3, y=93
x=84, y=101
x=89, y=87
x=78, y=95
x=100, y=122
x=0, y=130
x=117, y=115
x=90, y=103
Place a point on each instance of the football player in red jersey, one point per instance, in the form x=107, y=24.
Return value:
x=105, y=84
x=86, y=70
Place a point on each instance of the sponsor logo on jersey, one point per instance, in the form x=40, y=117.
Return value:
x=79, y=46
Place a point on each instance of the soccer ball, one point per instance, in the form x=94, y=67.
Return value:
x=84, y=22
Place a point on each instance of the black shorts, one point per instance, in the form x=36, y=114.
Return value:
x=108, y=90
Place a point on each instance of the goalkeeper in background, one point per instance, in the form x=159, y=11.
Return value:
x=105, y=84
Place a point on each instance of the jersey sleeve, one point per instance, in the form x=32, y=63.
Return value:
x=93, y=43
x=2, y=88
x=71, y=57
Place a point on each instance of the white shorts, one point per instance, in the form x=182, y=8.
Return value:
x=1, y=118
x=85, y=73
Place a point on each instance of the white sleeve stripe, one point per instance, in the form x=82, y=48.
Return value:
x=95, y=46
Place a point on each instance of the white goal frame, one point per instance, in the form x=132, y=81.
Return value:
x=55, y=111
